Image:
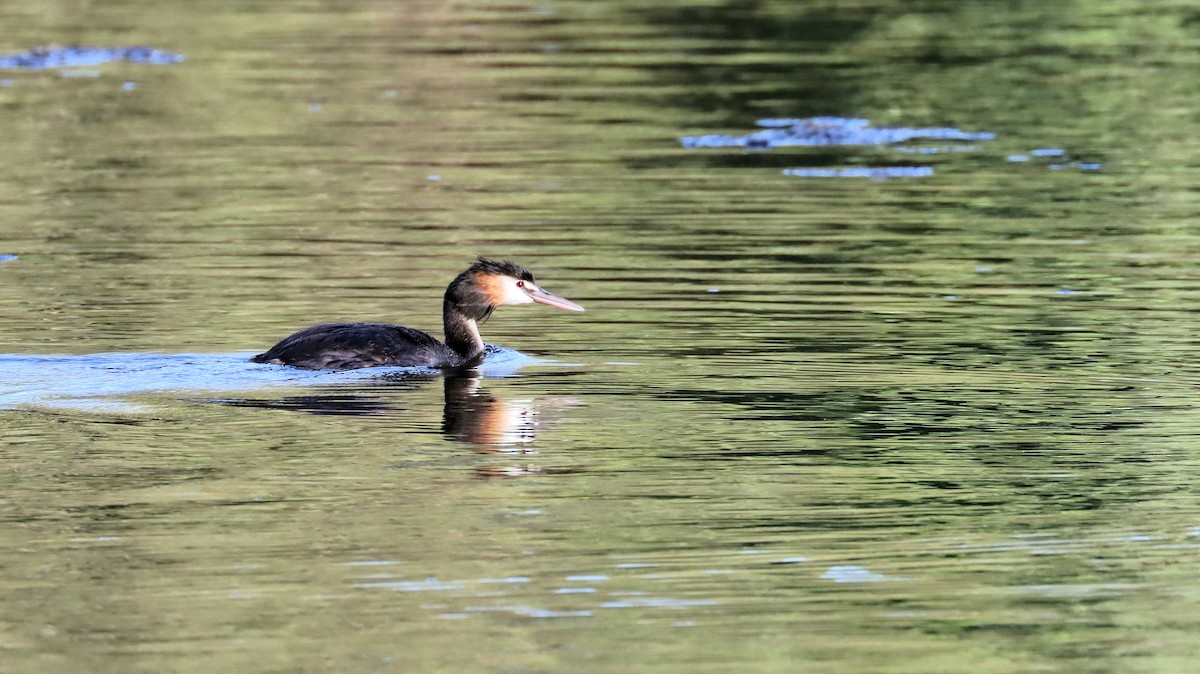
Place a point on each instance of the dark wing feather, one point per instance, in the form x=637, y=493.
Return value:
x=348, y=346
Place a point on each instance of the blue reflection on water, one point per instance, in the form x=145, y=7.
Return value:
x=40, y=58
x=875, y=172
x=943, y=149
x=827, y=131
x=99, y=382
x=852, y=573
x=1048, y=153
x=856, y=131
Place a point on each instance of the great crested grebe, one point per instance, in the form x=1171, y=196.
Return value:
x=470, y=299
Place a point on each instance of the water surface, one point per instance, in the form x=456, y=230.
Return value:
x=941, y=421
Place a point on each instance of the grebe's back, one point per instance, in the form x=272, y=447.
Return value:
x=349, y=346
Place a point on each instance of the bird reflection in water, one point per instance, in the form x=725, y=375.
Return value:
x=497, y=426
x=470, y=414
x=473, y=415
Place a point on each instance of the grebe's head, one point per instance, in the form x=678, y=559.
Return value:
x=488, y=284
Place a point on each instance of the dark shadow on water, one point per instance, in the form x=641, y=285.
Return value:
x=339, y=403
x=752, y=26
x=752, y=21
x=470, y=413
x=336, y=404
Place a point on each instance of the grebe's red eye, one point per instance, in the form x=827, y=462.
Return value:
x=520, y=284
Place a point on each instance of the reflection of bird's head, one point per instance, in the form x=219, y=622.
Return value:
x=474, y=416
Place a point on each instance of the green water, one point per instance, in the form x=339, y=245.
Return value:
x=930, y=424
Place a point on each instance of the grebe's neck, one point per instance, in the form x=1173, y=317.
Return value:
x=462, y=333
x=465, y=306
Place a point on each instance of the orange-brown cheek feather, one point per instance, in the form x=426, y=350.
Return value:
x=491, y=287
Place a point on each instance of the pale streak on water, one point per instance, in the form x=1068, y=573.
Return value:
x=810, y=422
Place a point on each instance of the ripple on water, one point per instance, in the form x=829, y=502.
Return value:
x=41, y=58
x=873, y=172
x=99, y=382
x=856, y=574
x=824, y=131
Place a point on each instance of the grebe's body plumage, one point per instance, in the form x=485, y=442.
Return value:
x=348, y=346
x=470, y=299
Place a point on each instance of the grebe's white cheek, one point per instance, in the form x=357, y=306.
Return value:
x=517, y=295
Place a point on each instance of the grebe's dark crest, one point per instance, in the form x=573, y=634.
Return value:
x=470, y=299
